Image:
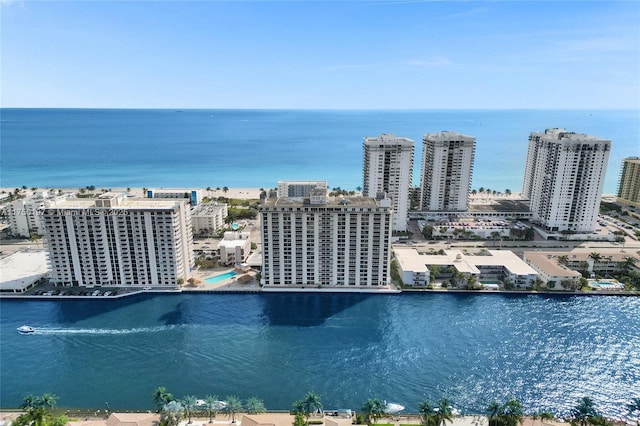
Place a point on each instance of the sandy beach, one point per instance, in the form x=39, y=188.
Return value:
x=238, y=193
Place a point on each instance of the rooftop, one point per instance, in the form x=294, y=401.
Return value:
x=126, y=203
x=21, y=269
x=352, y=201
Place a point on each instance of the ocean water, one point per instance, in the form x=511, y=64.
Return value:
x=256, y=148
x=547, y=351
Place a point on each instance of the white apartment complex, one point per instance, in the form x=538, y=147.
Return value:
x=447, y=169
x=388, y=169
x=207, y=219
x=563, y=179
x=321, y=241
x=298, y=188
x=235, y=247
x=118, y=241
x=23, y=216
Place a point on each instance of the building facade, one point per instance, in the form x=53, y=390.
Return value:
x=563, y=179
x=321, y=241
x=208, y=219
x=629, y=185
x=388, y=169
x=235, y=247
x=23, y=215
x=298, y=188
x=118, y=241
x=447, y=169
x=193, y=195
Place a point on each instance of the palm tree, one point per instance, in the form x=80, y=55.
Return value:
x=563, y=260
x=162, y=397
x=545, y=415
x=233, y=407
x=434, y=270
x=427, y=412
x=444, y=413
x=507, y=414
x=583, y=412
x=212, y=406
x=189, y=404
x=225, y=189
x=373, y=409
x=171, y=413
x=310, y=403
x=596, y=257
x=633, y=407
x=493, y=410
x=254, y=405
x=507, y=191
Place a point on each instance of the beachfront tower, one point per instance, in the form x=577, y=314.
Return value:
x=388, y=169
x=629, y=185
x=342, y=242
x=447, y=168
x=119, y=241
x=563, y=179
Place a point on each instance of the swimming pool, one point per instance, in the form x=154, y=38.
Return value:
x=217, y=278
x=235, y=226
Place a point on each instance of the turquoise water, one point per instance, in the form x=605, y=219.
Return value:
x=547, y=351
x=256, y=148
x=217, y=278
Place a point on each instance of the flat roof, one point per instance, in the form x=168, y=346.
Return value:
x=346, y=202
x=126, y=203
x=548, y=263
x=21, y=269
x=411, y=259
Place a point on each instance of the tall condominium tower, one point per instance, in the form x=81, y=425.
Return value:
x=447, y=168
x=563, y=179
x=322, y=241
x=629, y=185
x=118, y=241
x=388, y=168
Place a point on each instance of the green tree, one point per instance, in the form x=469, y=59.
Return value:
x=38, y=411
x=171, y=413
x=254, y=405
x=189, y=405
x=161, y=397
x=233, y=407
x=427, y=413
x=582, y=413
x=309, y=404
x=508, y=414
x=212, y=405
x=299, y=420
x=373, y=409
x=444, y=413
x=434, y=270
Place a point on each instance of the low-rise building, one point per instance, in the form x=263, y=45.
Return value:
x=553, y=274
x=208, y=219
x=235, y=247
x=503, y=265
x=22, y=270
x=193, y=195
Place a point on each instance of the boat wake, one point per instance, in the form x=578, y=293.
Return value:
x=101, y=331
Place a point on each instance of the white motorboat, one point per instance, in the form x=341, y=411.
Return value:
x=25, y=329
x=392, y=408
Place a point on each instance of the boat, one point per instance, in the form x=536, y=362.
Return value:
x=392, y=408
x=25, y=329
x=218, y=405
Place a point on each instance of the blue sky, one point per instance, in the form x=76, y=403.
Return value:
x=327, y=55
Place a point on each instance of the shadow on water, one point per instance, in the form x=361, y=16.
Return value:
x=307, y=310
x=73, y=311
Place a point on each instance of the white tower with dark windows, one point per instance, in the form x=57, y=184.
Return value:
x=388, y=168
x=447, y=168
x=563, y=179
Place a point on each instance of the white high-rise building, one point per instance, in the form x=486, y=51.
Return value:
x=119, y=241
x=321, y=241
x=388, y=168
x=447, y=169
x=23, y=215
x=563, y=179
